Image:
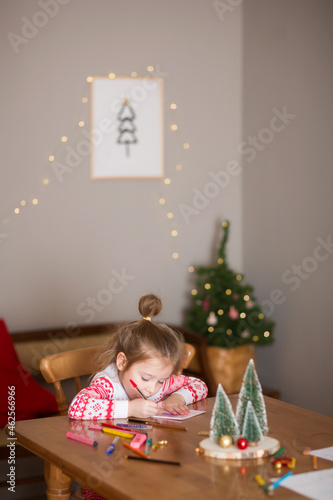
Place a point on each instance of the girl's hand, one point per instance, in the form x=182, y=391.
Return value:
x=142, y=408
x=174, y=404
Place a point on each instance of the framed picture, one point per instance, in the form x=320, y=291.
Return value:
x=126, y=131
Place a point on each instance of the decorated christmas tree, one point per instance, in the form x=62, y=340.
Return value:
x=251, y=427
x=223, y=421
x=251, y=391
x=225, y=310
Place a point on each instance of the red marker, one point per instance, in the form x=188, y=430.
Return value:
x=82, y=439
x=137, y=388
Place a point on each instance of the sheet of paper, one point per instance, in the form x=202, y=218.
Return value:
x=317, y=485
x=171, y=416
x=326, y=453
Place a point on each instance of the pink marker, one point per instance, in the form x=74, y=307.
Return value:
x=82, y=439
x=137, y=388
x=95, y=427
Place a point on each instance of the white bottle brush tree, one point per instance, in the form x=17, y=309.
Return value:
x=127, y=129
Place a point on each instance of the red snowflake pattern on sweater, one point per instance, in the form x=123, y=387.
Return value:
x=106, y=398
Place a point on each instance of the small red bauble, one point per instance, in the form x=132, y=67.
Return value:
x=242, y=443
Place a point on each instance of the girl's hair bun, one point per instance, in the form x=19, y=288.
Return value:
x=149, y=306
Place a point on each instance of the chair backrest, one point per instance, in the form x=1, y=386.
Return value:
x=77, y=363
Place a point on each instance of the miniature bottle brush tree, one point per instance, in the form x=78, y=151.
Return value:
x=225, y=310
x=250, y=421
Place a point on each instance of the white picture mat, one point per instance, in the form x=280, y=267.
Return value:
x=317, y=485
x=108, y=158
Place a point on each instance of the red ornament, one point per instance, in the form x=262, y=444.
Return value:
x=206, y=304
x=242, y=443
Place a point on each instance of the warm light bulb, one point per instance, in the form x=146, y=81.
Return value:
x=211, y=329
x=51, y=158
x=35, y=201
x=229, y=332
x=64, y=138
x=186, y=145
x=220, y=260
x=167, y=181
x=220, y=312
x=224, y=224
x=190, y=269
x=23, y=203
x=89, y=79
x=46, y=182
x=150, y=68
x=266, y=334
x=173, y=106
x=242, y=315
x=260, y=316
x=174, y=233
x=84, y=99
x=174, y=127
x=246, y=298
x=16, y=210
x=194, y=291
x=178, y=167
x=134, y=74
x=170, y=215
x=238, y=277
x=175, y=255
x=255, y=338
x=112, y=75
x=161, y=201
x=228, y=292
x=81, y=123
x=207, y=286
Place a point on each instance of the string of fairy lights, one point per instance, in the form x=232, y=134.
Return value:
x=52, y=158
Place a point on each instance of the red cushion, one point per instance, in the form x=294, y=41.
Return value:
x=31, y=399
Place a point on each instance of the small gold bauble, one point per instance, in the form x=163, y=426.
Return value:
x=225, y=441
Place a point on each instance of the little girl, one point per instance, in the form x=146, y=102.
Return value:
x=149, y=354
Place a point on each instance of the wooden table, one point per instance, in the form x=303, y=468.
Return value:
x=198, y=477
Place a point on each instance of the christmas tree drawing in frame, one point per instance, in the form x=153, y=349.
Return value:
x=244, y=435
x=126, y=116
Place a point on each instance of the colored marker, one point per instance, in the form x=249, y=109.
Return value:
x=95, y=427
x=82, y=439
x=128, y=435
x=137, y=388
x=262, y=483
x=148, y=445
x=278, y=453
x=277, y=483
x=138, y=452
x=136, y=426
x=158, y=424
x=314, y=462
x=112, y=446
x=155, y=460
x=118, y=428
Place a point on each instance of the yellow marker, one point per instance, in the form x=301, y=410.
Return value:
x=314, y=462
x=262, y=483
x=114, y=432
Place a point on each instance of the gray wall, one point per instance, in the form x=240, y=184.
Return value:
x=287, y=195
x=227, y=71
x=66, y=249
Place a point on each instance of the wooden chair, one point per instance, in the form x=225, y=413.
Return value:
x=78, y=363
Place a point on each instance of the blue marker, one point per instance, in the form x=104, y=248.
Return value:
x=136, y=426
x=112, y=446
x=276, y=484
